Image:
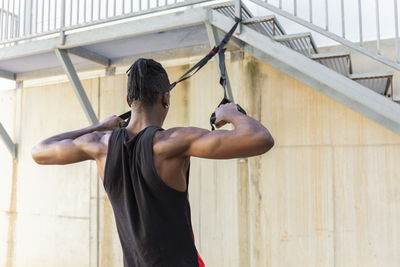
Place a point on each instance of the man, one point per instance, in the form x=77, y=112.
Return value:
x=145, y=169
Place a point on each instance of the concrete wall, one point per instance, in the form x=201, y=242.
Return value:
x=327, y=194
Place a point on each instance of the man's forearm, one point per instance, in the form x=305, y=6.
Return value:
x=74, y=134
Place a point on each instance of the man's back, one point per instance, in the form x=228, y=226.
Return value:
x=145, y=155
x=153, y=219
x=145, y=169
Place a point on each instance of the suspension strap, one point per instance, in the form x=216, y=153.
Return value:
x=218, y=49
x=222, y=81
x=210, y=55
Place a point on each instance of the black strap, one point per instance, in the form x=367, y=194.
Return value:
x=222, y=81
x=216, y=49
x=210, y=55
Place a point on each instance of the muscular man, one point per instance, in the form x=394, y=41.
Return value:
x=145, y=169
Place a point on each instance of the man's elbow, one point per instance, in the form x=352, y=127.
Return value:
x=269, y=143
x=36, y=154
x=266, y=143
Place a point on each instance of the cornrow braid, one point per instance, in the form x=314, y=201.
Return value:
x=146, y=80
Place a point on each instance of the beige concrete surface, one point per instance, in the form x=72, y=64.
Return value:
x=327, y=194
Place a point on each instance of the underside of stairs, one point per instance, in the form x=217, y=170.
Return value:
x=380, y=82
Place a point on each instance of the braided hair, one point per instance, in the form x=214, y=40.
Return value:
x=147, y=79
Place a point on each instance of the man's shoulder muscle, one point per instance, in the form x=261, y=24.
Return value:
x=174, y=141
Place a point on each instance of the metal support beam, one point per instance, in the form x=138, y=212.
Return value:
x=90, y=55
x=238, y=14
x=76, y=84
x=11, y=146
x=110, y=71
x=19, y=84
x=213, y=37
x=7, y=75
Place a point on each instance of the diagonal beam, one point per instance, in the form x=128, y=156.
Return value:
x=213, y=38
x=90, y=55
x=11, y=146
x=76, y=84
x=7, y=75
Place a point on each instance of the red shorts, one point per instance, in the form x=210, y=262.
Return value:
x=201, y=263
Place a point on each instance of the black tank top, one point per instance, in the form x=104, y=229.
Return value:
x=153, y=219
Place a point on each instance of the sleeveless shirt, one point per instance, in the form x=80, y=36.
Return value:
x=153, y=219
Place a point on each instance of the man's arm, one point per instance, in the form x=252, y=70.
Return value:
x=75, y=146
x=248, y=138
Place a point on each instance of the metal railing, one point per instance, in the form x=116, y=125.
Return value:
x=27, y=19
x=290, y=10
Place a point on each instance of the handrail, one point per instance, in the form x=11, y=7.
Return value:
x=293, y=16
x=28, y=19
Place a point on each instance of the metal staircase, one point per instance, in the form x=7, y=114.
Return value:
x=381, y=83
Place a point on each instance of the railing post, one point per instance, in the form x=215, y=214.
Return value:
x=396, y=32
x=28, y=17
x=378, y=30
x=62, y=22
x=238, y=14
x=360, y=25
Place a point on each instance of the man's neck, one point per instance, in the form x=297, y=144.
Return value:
x=142, y=119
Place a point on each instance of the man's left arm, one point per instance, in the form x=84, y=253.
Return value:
x=74, y=146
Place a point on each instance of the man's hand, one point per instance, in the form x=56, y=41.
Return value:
x=224, y=113
x=111, y=123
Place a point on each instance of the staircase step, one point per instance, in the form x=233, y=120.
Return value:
x=378, y=82
x=267, y=25
x=301, y=42
x=228, y=9
x=337, y=61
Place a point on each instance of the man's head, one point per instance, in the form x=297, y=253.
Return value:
x=148, y=85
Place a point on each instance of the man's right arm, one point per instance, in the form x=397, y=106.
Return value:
x=248, y=138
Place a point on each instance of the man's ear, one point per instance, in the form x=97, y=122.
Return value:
x=165, y=99
x=127, y=101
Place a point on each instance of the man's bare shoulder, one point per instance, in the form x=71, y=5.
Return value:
x=173, y=141
x=100, y=137
x=179, y=133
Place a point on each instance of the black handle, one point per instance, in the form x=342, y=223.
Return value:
x=126, y=116
x=224, y=101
